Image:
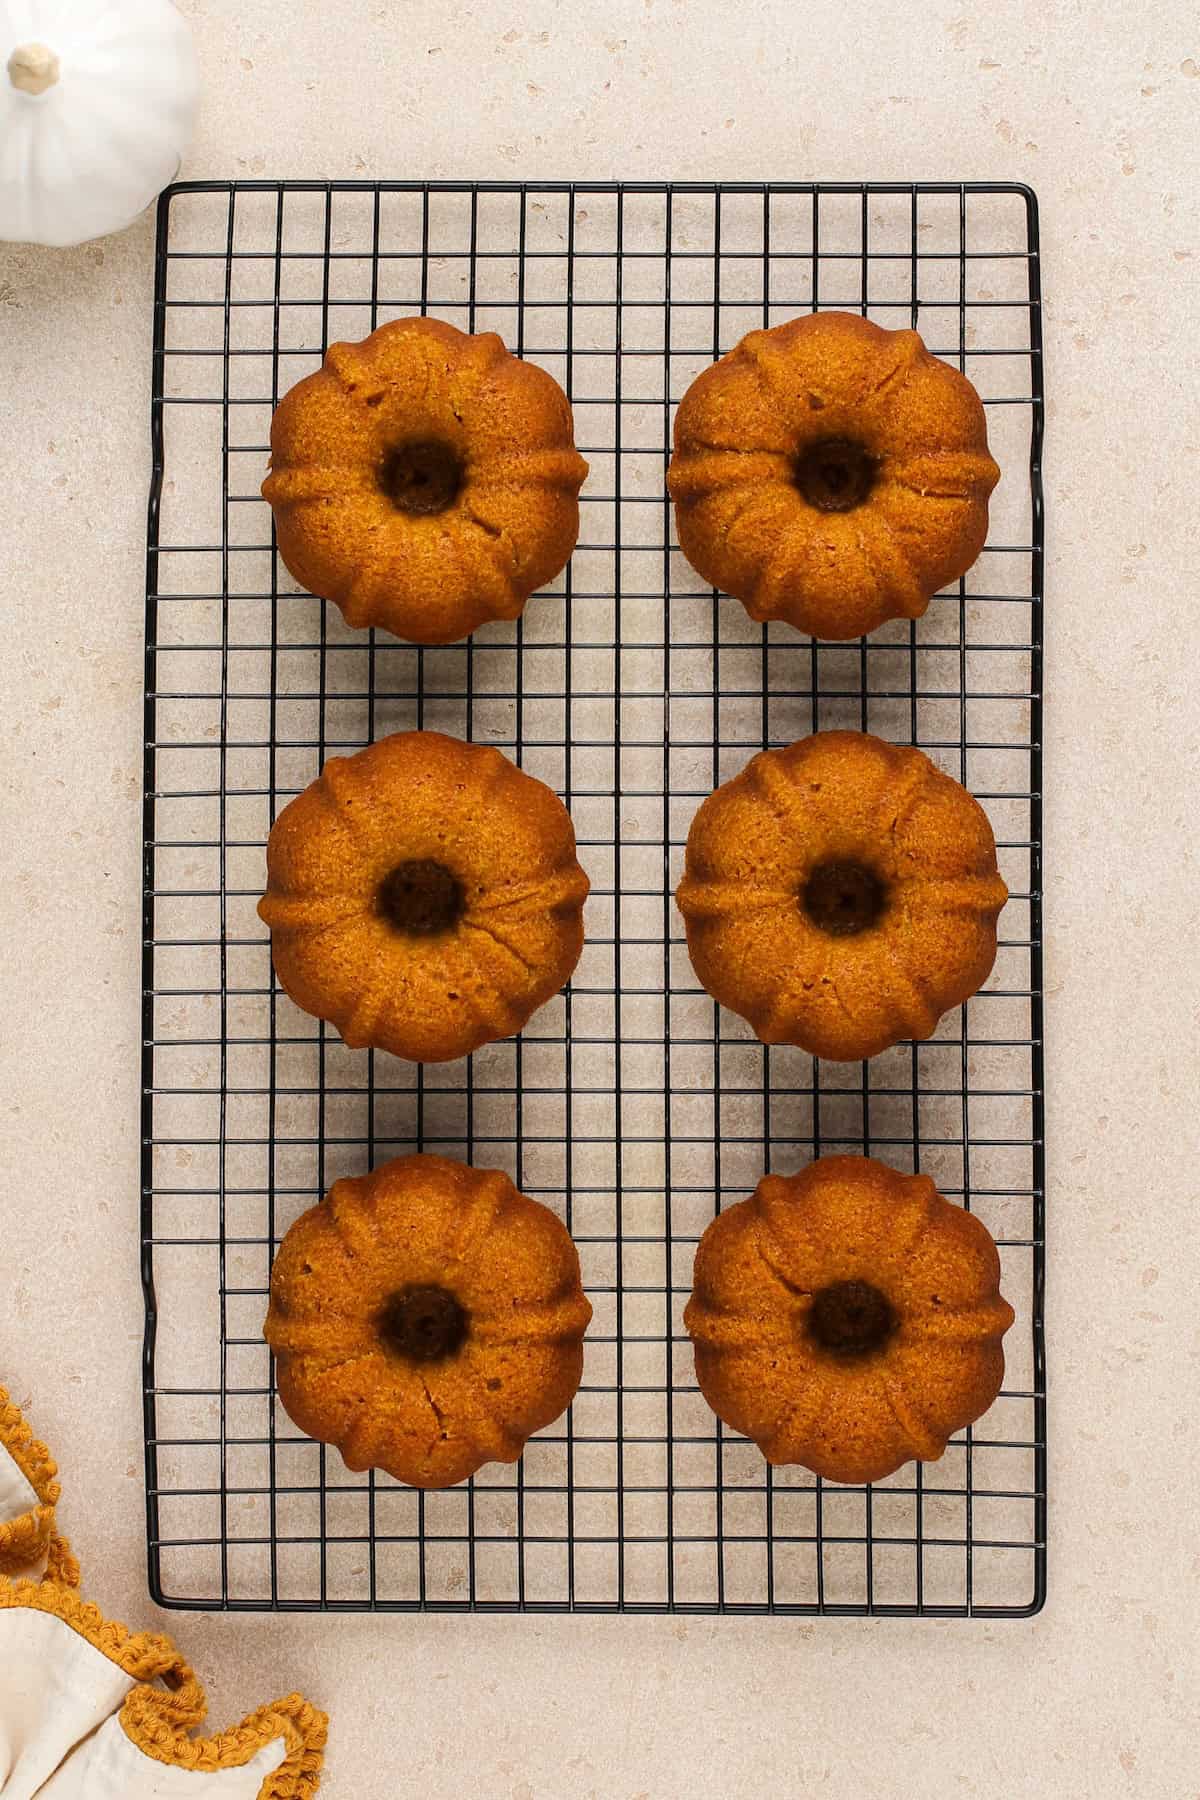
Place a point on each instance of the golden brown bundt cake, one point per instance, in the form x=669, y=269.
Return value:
x=841, y=894
x=831, y=473
x=426, y=1318
x=424, y=896
x=424, y=480
x=848, y=1318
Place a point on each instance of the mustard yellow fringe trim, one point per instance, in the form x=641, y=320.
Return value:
x=157, y=1720
x=148, y=1719
x=143, y=1655
x=27, y=1540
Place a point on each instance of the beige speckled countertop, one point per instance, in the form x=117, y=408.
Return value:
x=1098, y=107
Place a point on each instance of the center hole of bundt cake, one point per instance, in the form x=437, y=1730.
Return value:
x=843, y=898
x=421, y=478
x=851, y=1318
x=835, y=475
x=422, y=898
x=425, y=1324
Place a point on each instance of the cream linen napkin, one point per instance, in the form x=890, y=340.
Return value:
x=91, y=1711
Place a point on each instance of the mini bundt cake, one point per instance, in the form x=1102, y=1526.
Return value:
x=848, y=1318
x=832, y=474
x=841, y=894
x=424, y=896
x=425, y=480
x=426, y=1318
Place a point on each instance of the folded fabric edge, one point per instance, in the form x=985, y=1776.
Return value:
x=149, y=1721
x=143, y=1655
x=26, y=1539
x=157, y=1720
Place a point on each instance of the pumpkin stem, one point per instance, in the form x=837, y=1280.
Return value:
x=33, y=68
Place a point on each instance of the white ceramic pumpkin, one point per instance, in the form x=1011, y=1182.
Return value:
x=97, y=101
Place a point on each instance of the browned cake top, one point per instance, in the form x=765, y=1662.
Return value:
x=848, y=1318
x=841, y=894
x=425, y=480
x=424, y=896
x=832, y=474
x=426, y=1318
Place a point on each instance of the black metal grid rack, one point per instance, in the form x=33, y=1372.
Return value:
x=631, y=1104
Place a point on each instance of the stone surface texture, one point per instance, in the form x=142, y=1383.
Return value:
x=1098, y=108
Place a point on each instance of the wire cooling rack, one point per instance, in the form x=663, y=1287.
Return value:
x=631, y=1104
